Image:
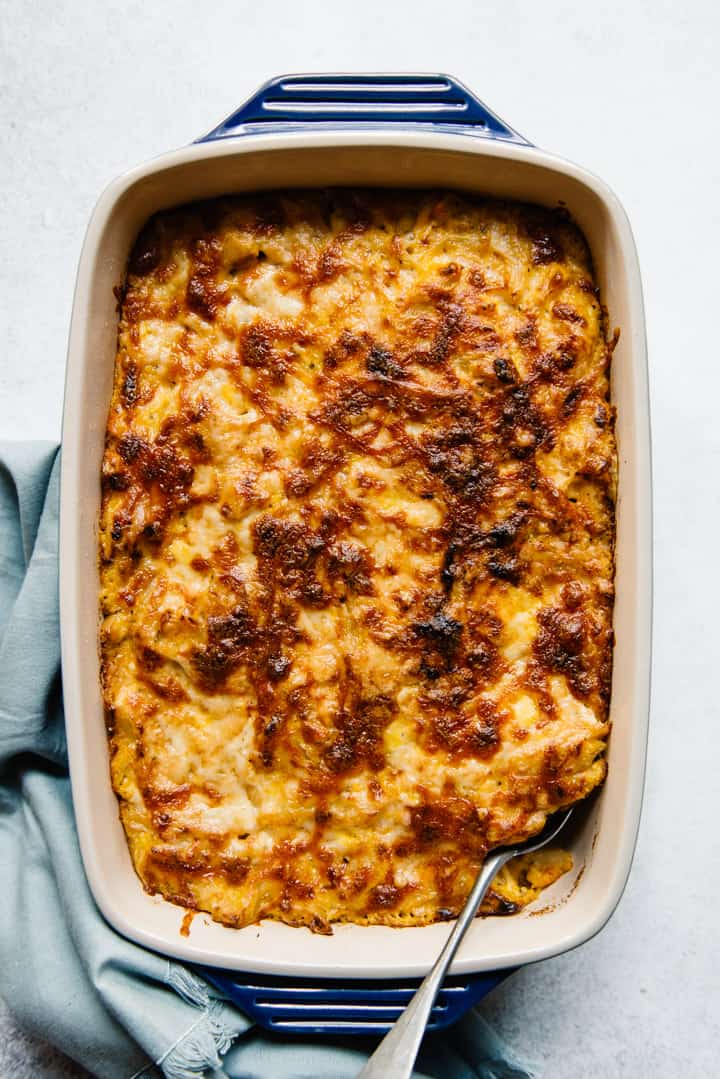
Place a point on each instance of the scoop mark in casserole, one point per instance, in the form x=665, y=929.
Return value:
x=356, y=550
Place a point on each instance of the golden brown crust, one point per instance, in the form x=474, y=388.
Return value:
x=356, y=551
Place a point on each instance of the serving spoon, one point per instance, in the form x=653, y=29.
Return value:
x=395, y=1056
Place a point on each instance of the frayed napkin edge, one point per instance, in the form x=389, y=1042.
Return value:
x=201, y=1047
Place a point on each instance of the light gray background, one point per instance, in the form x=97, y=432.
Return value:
x=629, y=90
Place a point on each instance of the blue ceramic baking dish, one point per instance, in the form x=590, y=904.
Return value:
x=365, y=130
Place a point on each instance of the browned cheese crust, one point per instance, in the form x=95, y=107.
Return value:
x=356, y=551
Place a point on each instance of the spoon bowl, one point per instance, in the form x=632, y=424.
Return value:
x=395, y=1056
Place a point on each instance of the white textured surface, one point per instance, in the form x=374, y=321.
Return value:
x=628, y=89
x=25, y=1057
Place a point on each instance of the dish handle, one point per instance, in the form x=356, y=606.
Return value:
x=295, y=102
x=323, y=1006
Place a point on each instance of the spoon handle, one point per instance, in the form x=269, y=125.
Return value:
x=395, y=1056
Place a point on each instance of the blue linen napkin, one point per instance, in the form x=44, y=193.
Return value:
x=119, y=1010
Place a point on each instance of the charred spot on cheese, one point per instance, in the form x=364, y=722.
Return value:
x=448, y=819
x=317, y=462
x=560, y=646
x=384, y=896
x=522, y=424
x=347, y=346
x=476, y=734
x=547, y=246
x=567, y=313
x=527, y=337
x=450, y=323
x=380, y=361
x=261, y=348
x=129, y=390
x=230, y=639
x=288, y=553
x=439, y=639
x=351, y=564
x=356, y=551
x=504, y=369
x=204, y=294
x=360, y=728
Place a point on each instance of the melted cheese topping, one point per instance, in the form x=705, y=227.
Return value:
x=356, y=551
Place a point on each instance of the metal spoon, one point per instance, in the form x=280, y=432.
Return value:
x=395, y=1056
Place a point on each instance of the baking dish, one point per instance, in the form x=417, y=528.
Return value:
x=400, y=131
